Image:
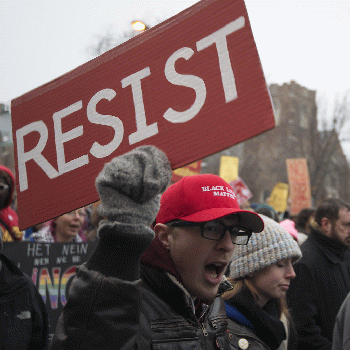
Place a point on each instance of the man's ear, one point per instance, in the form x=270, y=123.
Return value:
x=163, y=233
x=326, y=226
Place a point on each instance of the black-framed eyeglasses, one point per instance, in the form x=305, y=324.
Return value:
x=216, y=230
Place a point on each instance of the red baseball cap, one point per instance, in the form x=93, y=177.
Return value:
x=205, y=197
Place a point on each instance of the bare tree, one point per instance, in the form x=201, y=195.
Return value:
x=102, y=43
x=327, y=152
x=105, y=42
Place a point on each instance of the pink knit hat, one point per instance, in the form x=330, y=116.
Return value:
x=289, y=225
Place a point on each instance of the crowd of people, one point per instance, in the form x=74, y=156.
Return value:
x=182, y=266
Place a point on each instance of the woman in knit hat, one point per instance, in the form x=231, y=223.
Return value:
x=260, y=273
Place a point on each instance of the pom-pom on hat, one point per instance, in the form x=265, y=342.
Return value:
x=205, y=197
x=273, y=244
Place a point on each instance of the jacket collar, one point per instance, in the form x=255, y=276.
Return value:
x=173, y=293
x=224, y=286
x=164, y=287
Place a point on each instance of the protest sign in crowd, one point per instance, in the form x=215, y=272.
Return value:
x=119, y=241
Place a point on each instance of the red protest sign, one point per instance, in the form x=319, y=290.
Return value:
x=189, y=89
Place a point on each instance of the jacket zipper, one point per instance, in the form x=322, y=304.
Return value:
x=216, y=322
x=204, y=330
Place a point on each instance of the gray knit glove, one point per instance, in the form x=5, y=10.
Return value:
x=131, y=184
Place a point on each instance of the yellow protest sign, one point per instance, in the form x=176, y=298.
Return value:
x=228, y=168
x=279, y=197
x=187, y=170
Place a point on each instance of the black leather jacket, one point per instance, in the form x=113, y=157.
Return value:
x=242, y=337
x=153, y=312
x=23, y=317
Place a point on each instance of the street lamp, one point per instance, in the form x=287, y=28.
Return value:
x=139, y=26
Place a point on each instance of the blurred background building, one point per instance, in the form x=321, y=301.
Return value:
x=262, y=159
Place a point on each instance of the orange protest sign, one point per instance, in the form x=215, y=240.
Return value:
x=299, y=184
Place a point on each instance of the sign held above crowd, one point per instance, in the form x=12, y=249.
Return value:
x=190, y=89
x=299, y=183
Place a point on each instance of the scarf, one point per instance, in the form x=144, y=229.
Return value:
x=243, y=309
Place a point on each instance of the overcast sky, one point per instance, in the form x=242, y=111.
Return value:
x=306, y=40
x=42, y=39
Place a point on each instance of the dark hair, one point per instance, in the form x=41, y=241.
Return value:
x=329, y=209
x=267, y=212
x=303, y=217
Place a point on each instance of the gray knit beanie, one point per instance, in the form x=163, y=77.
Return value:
x=264, y=249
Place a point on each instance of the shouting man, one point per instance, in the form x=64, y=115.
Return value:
x=141, y=292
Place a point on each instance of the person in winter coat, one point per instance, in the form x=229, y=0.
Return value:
x=23, y=316
x=341, y=332
x=261, y=272
x=8, y=217
x=323, y=280
x=141, y=292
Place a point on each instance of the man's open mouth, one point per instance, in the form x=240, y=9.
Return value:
x=215, y=269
